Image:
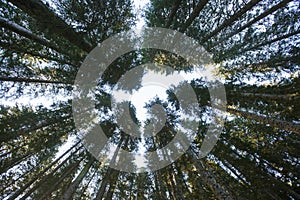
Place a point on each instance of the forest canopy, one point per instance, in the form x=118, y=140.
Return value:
x=255, y=46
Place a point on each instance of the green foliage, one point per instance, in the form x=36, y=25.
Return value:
x=257, y=155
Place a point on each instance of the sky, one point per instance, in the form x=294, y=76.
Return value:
x=138, y=98
x=139, y=5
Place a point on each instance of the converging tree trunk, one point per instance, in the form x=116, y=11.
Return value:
x=256, y=19
x=284, y=125
x=74, y=185
x=5, y=23
x=29, y=80
x=229, y=21
x=194, y=14
x=39, y=11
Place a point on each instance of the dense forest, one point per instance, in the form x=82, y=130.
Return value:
x=254, y=43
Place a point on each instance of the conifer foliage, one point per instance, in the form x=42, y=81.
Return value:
x=256, y=46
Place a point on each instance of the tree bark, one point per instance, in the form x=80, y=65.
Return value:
x=256, y=174
x=103, y=185
x=106, y=180
x=5, y=137
x=266, y=65
x=294, y=96
x=256, y=19
x=233, y=18
x=61, y=178
x=182, y=184
x=173, y=12
x=112, y=184
x=281, y=124
x=17, y=49
x=39, y=11
x=193, y=15
x=162, y=187
x=74, y=185
x=270, y=41
x=208, y=178
x=13, y=162
x=40, y=174
x=5, y=23
x=29, y=80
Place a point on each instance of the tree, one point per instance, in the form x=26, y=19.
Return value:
x=45, y=16
x=74, y=185
x=257, y=155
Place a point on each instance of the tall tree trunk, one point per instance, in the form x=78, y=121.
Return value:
x=208, y=178
x=234, y=51
x=173, y=12
x=11, y=151
x=52, y=22
x=112, y=184
x=44, y=179
x=40, y=174
x=107, y=179
x=174, y=184
x=7, y=136
x=115, y=176
x=88, y=183
x=60, y=180
x=281, y=124
x=5, y=23
x=170, y=188
x=13, y=162
x=264, y=165
x=18, y=49
x=182, y=182
x=258, y=174
x=74, y=185
x=193, y=15
x=230, y=167
x=169, y=181
x=29, y=80
x=266, y=65
x=268, y=42
x=179, y=181
x=160, y=188
x=104, y=183
x=256, y=19
x=294, y=96
x=229, y=21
